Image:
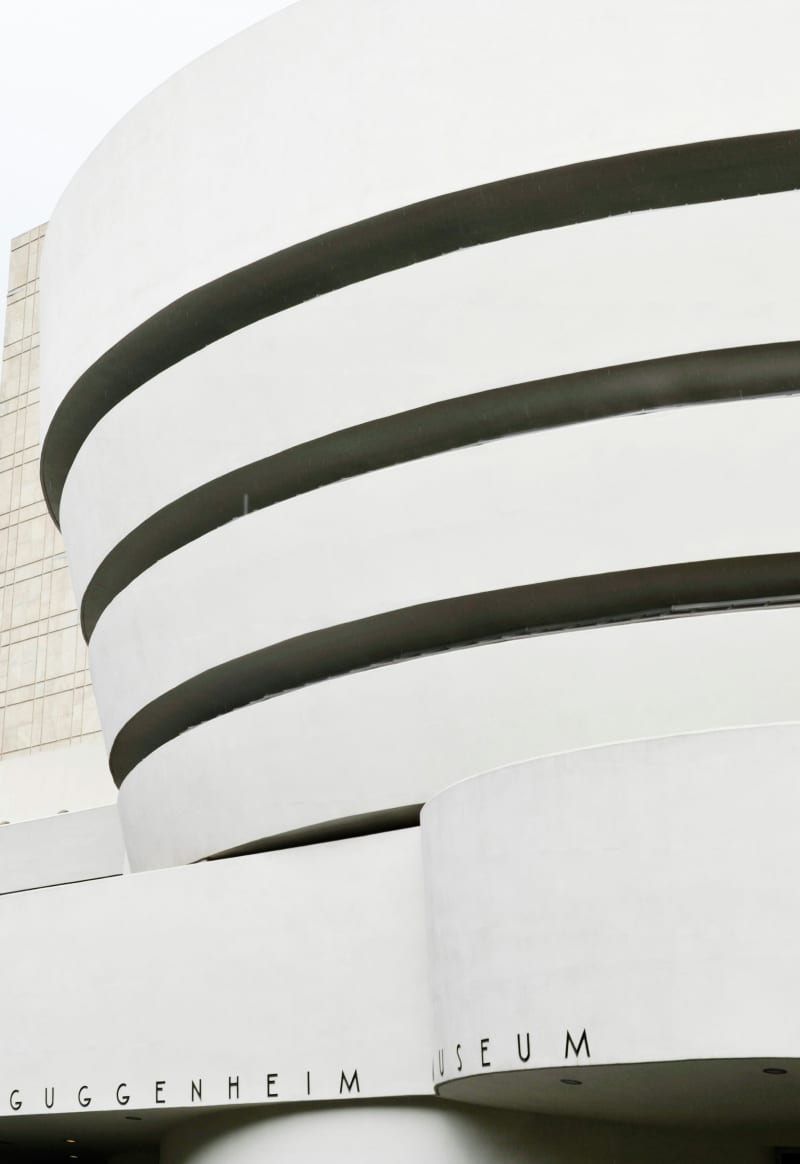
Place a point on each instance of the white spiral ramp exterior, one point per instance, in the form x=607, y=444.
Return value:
x=420, y=391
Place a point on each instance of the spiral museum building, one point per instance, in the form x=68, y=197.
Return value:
x=418, y=405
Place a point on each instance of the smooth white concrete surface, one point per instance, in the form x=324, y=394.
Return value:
x=592, y=295
x=311, y=960
x=631, y=907
x=638, y=894
x=448, y=1134
x=262, y=143
x=671, y=487
x=72, y=777
x=396, y=735
x=76, y=846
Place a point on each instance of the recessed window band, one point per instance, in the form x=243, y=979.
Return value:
x=656, y=592
x=679, y=175
x=694, y=378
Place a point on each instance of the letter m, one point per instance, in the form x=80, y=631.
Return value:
x=583, y=1042
x=349, y=1083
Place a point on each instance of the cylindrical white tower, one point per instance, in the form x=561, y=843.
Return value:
x=354, y=351
x=420, y=398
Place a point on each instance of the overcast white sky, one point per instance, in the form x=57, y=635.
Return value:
x=70, y=69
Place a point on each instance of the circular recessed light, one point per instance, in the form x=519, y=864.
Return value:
x=70, y=1141
x=573, y=1082
x=775, y=1071
x=133, y=1117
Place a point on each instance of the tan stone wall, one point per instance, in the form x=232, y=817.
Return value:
x=46, y=698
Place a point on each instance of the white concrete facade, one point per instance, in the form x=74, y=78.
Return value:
x=420, y=394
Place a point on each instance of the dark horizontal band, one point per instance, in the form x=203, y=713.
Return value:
x=468, y=620
x=675, y=176
x=696, y=378
x=362, y=824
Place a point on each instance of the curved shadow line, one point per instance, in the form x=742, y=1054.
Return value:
x=466, y=620
x=339, y=828
x=651, y=179
x=695, y=378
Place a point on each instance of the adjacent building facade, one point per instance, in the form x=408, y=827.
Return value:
x=47, y=696
x=419, y=408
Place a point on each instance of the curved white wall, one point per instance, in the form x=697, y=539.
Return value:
x=639, y=892
x=642, y=892
x=322, y=116
x=388, y=1132
x=397, y=735
x=624, y=289
x=312, y=122
x=635, y=895
x=443, y=1134
x=673, y=487
x=214, y=973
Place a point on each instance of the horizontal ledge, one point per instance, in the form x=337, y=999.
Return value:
x=694, y=378
x=651, y=179
x=446, y=624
